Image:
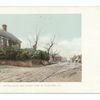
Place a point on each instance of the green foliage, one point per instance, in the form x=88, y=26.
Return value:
x=10, y=53
x=14, y=54
x=22, y=54
x=41, y=55
x=6, y=53
x=2, y=54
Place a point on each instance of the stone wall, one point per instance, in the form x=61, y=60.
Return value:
x=26, y=63
x=17, y=63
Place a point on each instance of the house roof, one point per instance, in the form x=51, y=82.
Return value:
x=9, y=36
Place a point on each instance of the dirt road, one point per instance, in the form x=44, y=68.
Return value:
x=62, y=72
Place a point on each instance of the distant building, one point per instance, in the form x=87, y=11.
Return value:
x=7, y=39
x=56, y=58
x=77, y=59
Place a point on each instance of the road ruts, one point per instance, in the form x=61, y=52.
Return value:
x=35, y=74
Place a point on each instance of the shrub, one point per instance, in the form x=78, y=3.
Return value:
x=23, y=54
x=41, y=55
x=13, y=54
x=2, y=54
x=10, y=53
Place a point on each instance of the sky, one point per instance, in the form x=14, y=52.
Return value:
x=65, y=27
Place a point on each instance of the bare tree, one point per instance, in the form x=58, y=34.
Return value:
x=36, y=39
x=33, y=42
x=36, y=42
x=50, y=45
x=54, y=54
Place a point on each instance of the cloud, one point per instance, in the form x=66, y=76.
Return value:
x=66, y=48
x=69, y=48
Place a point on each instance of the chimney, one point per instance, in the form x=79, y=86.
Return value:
x=4, y=26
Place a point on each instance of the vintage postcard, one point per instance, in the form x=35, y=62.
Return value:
x=46, y=48
x=43, y=49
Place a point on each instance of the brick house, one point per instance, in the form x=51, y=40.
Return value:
x=7, y=39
